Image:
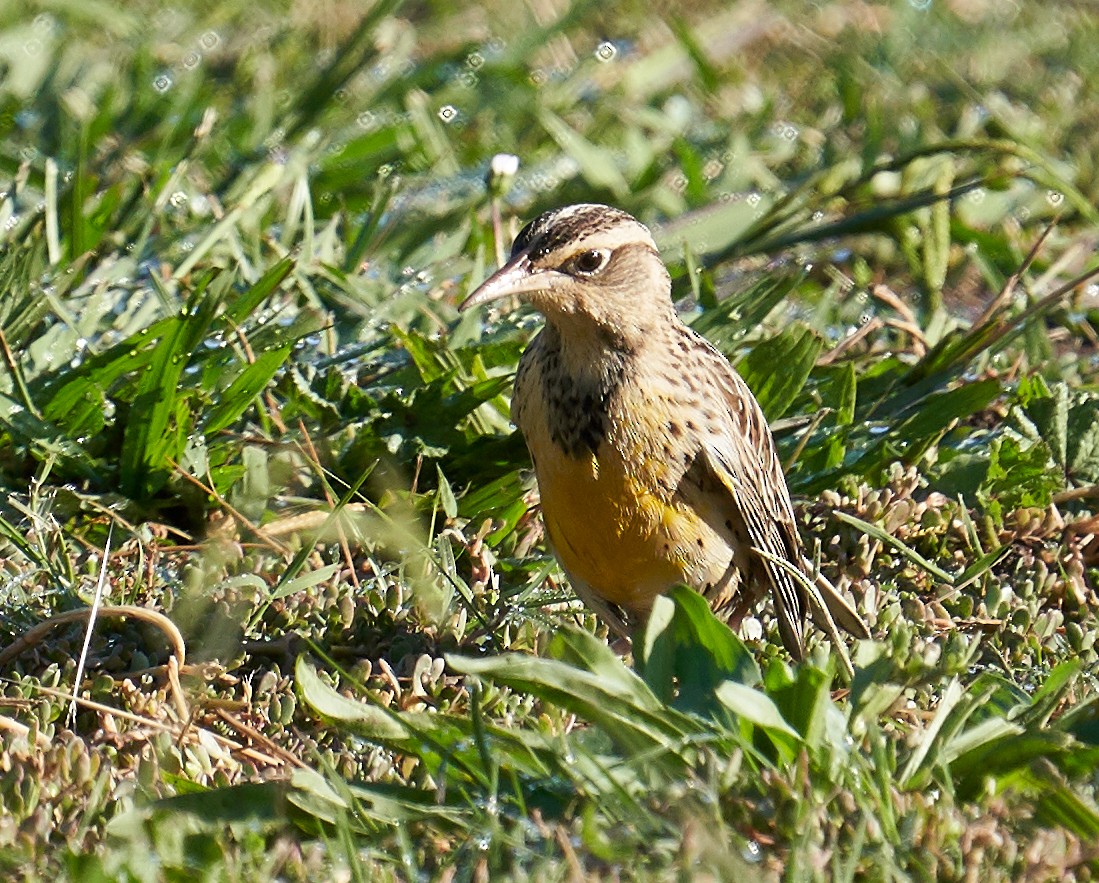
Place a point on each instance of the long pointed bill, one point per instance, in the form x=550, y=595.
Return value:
x=517, y=276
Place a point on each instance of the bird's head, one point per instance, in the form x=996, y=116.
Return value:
x=585, y=265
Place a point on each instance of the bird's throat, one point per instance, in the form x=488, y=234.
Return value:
x=581, y=377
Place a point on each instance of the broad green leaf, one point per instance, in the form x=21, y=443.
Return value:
x=387, y=803
x=729, y=320
x=617, y=701
x=1055, y=804
x=685, y=652
x=305, y=581
x=248, y=807
x=936, y=412
x=1004, y=752
x=1049, y=416
x=841, y=392
x=718, y=227
x=445, y=742
x=756, y=708
x=996, y=738
x=777, y=369
x=805, y=703
x=1082, y=462
x=1020, y=474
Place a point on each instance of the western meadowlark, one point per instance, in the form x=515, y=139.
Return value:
x=654, y=461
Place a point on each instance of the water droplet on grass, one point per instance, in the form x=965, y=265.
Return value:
x=606, y=51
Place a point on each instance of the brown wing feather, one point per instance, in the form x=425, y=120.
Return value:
x=746, y=464
x=752, y=439
x=749, y=508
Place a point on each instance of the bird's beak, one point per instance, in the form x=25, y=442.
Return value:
x=517, y=276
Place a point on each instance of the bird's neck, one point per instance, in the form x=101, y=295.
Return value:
x=587, y=339
x=590, y=355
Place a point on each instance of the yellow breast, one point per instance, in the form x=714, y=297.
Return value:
x=608, y=531
x=613, y=527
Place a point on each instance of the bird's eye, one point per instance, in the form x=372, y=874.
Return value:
x=592, y=261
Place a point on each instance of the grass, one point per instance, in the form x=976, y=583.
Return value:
x=232, y=239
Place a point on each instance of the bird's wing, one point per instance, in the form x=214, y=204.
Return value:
x=837, y=608
x=747, y=463
x=743, y=460
x=753, y=508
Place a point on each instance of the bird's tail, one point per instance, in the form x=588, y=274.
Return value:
x=840, y=611
x=829, y=608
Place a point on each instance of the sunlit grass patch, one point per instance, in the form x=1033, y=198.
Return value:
x=232, y=239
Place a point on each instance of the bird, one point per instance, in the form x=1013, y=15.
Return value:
x=654, y=462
